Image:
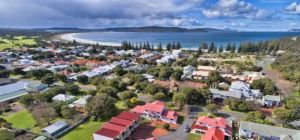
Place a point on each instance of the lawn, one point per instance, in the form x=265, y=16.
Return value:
x=16, y=42
x=21, y=119
x=193, y=137
x=121, y=105
x=83, y=132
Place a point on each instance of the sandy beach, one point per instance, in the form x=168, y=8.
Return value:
x=71, y=37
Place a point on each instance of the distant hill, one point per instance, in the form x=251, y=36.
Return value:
x=139, y=29
x=294, y=30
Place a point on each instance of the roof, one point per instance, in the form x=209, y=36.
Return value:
x=206, y=68
x=120, y=121
x=41, y=138
x=214, y=122
x=195, y=126
x=81, y=101
x=272, y=98
x=226, y=93
x=129, y=116
x=267, y=130
x=138, y=109
x=55, y=127
x=170, y=114
x=154, y=107
x=63, y=97
x=213, y=134
x=114, y=127
x=108, y=133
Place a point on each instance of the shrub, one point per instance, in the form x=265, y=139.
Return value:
x=166, y=126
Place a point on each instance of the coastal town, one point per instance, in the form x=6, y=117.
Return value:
x=74, y=90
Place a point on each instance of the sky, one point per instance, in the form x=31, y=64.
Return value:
x=247, y=15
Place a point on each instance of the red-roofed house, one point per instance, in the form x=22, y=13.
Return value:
x=118, y=127
x=211, y=128
x=214, y=134
x=156, y=110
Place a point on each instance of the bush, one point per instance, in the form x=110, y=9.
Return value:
x=159, y=96
x=166, y=126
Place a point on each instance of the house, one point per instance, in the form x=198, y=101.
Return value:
x=271, y=100
x=119, y=127
x=81, y=102
x=165, y=59
x=55, y=128
x=246, y=76
x=156, y=111
x=14, y=90
x=212, y=128
x=223, y=94
x=149, y=77
x=137, y=68
x=244, y=89
x=250, y=130
x=188, y=72
x=64, y=98
x=202, y=72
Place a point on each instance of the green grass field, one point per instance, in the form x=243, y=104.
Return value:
x=83, y=132
x=16, y=42
x=21, y=119
x=194, y=137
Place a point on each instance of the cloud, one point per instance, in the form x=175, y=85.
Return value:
x=293, y=8
x=91, y=12
x=234, y=9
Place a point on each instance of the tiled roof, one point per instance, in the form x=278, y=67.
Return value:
x=108, y=133
x=154, y=107
x=120, y=121
x=213, y=134
x=170, y=114
x=214, y=122
x=114, y=127
x=129, y=116
x=138, y=109
x=194, y=126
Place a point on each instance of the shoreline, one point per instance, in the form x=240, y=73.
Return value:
x=70, y=37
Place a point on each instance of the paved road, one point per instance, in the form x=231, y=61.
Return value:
x=179, y=134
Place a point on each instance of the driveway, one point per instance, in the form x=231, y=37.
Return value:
x=179, y=133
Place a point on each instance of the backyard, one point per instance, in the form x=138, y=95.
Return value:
x=21, y=119
x=83, y=132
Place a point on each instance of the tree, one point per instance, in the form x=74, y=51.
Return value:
x=43, y=114
x=199, y=51
x=165, y=73
x=4, y=74
x=83, y=79
x=159, y=47
x=68, y=112
x=151, y=89
x=221, y=49
x=212, y=108
x=6, y=134
x=126, y=95
x=228, y=47
x=108, y=90
x=265, y=85
x=285, y=115
x=101, y=107
x=166, y=126
x=63, y=78
x=49, y=80
x=193, y=96
x=72, y=89
x=211, y=47
x=214, y=76
x=233, y=48
x=119, y=71
x=159, y=96
x=179, y=100
x=26, y=100
x=176, y=75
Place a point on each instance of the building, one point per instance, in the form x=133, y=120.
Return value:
x=188, y=72
x=55, y=128
x=212, y=128
x=244, y=89
x=250, y=130
x=271, y=100
x=14, y=90
x=224, y=94
x=64, y=98
x=119, y=127
x=81, y=102
x=202, y=72
x=156, y=111
x=165, y=59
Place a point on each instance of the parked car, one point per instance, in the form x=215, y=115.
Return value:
x=187, y=128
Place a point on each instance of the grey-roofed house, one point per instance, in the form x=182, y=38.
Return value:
x=80, y=102
x=55, y=128
x=64, y=98
x=223, y=94
x=271, y=100
x=188, y=72
x=250, y=130
x=20, y=88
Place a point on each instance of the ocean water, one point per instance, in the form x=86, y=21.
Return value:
x=188, y=40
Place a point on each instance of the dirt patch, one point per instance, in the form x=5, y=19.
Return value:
x=159, y=132
x=142, y=132
x=159, y=124
x=284, y=86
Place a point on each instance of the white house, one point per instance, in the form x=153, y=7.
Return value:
x=188, y=72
